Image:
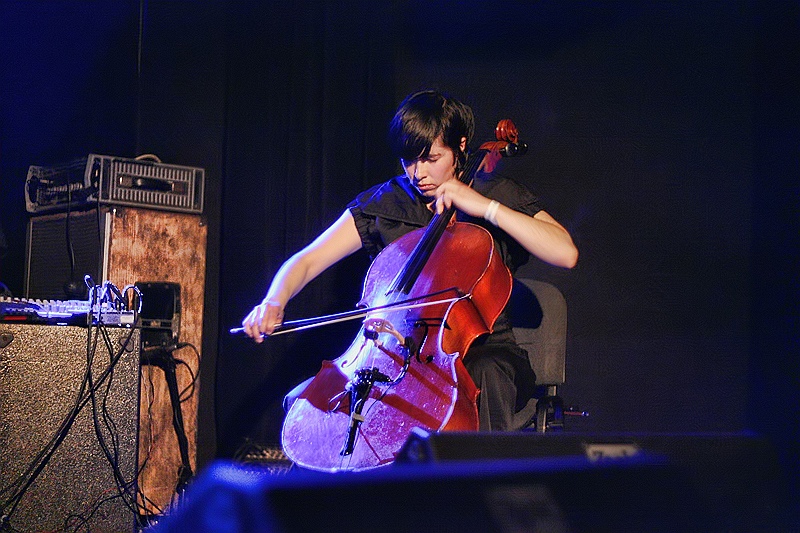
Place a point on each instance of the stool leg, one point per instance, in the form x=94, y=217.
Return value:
x=556, y=421
x=549, y=414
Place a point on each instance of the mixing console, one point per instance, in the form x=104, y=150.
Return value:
x=61, y=312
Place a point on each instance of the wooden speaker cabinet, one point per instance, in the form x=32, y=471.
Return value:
x=128, y=245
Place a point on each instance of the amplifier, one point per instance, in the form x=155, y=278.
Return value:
x=42, y=373
x=165, y=254
x=110, y=180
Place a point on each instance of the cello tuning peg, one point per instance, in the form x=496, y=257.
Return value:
x=514, y=149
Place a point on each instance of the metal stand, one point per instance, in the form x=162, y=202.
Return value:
x=163, y=359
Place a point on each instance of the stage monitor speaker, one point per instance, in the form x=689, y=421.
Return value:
x=519, y=496
x=736, y=477
x=158, y=249
x=42, y=369
x=516, y=482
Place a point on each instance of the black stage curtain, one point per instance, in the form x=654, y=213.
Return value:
x=638, y=117
x=309, y=93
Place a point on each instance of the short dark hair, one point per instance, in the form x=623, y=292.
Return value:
x=426, y=116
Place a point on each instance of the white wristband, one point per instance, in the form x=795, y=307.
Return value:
x=491, y=212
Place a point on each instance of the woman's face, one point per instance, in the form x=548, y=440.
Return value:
x=426, y=174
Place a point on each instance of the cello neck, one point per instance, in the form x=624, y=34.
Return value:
x=406, y=278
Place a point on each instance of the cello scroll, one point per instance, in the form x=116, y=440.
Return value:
x=507, y=144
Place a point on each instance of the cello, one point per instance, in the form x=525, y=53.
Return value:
x=427, y=296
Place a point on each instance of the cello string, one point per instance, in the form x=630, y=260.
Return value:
x=407, y=276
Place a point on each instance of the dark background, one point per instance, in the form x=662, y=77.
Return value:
x=664, y=136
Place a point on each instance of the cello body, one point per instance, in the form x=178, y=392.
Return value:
x=421, y=382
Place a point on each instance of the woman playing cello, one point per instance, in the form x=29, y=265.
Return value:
x=429, y=134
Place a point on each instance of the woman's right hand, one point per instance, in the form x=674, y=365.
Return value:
x=263, y=319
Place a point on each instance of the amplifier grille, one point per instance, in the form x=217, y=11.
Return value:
x=132, y=182
x=109, y=180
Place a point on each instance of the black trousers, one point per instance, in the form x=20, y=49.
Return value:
x=504, y=375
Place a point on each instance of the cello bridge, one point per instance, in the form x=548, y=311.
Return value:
x=373, y=327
